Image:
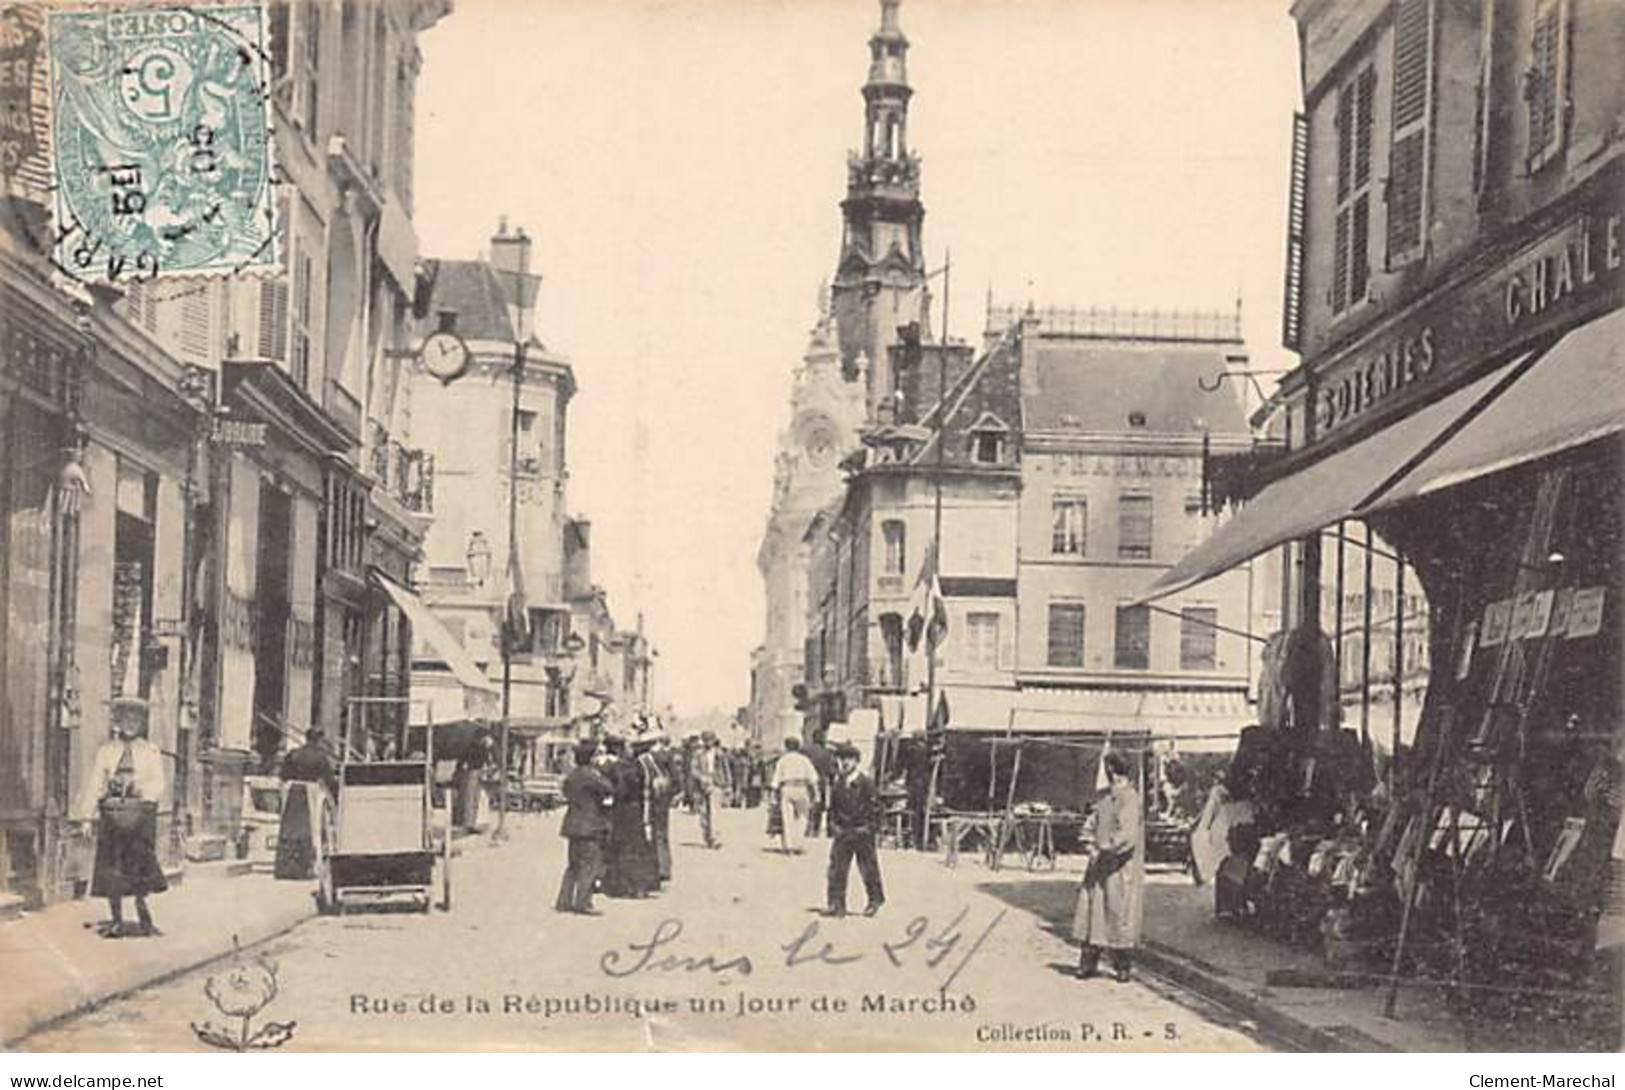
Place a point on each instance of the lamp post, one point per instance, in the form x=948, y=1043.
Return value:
x=510, y=631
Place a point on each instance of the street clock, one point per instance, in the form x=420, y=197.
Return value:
x=445, y=355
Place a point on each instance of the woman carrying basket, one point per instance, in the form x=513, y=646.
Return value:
x=121, y=795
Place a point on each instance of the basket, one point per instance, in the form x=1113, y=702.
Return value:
x=127, y=815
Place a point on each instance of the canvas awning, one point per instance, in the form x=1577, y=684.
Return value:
x=1573, y=394
x=431, y=630
x=1336, y=487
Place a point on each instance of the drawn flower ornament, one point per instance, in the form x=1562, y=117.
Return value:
x=241, y=992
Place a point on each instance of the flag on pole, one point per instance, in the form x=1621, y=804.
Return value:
x=928, y=619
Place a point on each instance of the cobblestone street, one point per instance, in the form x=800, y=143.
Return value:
x=731, y=956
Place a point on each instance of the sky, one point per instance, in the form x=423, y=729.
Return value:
x=680, y=165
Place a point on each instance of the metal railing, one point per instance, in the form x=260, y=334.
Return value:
x=1127, y=323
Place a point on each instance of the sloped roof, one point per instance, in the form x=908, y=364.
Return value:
x=472, y=289
x=1092, y=385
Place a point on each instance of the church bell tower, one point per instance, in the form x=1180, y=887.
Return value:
x=880, y=280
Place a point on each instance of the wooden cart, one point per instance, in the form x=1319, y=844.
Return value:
x=387, y=838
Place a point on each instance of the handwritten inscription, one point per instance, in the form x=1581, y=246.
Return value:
x=919, y=942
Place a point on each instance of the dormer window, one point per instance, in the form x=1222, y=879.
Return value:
x=987, y=437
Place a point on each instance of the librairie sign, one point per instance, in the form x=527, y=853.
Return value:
x=234, y=431
x=1569, y=272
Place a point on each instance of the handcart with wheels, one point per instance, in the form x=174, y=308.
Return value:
x=388, y=840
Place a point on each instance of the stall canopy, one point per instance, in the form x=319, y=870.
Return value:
x=428, y=628
x=1336, y=487
x=1573, y=394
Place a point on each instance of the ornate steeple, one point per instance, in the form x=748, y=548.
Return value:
x=880, y=280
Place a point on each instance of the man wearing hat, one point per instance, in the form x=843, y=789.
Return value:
x=854, y=819
x=587, y=794
x=711, y=779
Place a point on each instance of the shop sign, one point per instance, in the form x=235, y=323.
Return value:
x=20, y=55
x=234, y=431
x=1565, y=276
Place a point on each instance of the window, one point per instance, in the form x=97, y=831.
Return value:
x=299, y=360
x=1134, y=526
x=1412, y=108
x=1069, y=525
x=1351, y=273
x=1546, y=82
x=985, y=447
x=891, y=634
x=1066, y=634
x=1198, y=638
x=982, y=641
x=310, y=64
x=528, y=455
x=1133, y=650
x=896, y=536
x=196, y=321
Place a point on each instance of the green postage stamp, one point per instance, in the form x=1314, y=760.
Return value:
x=162, y=159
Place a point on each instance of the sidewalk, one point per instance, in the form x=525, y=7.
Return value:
x=1231, y=965
x=55, y=964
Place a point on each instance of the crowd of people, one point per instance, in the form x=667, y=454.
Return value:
x=621, y=793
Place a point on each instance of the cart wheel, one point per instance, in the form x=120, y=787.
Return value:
x=326, y=903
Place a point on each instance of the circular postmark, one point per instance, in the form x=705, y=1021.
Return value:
x=161, y=153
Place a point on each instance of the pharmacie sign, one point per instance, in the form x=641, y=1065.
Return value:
x=1570, y=274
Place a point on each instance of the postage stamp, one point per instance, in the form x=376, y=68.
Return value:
x=161, y=150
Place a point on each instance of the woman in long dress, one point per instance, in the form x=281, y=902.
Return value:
x=633, y=870
x=121, y=794
x=1109, y=908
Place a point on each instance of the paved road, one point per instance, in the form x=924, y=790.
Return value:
x=732, y=956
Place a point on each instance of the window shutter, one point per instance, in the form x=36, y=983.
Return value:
x=1345, y=139
x=273, y=319
x=1340, y=268
x=1297, y=208
x=1545, y=89
x=1365, y=92
x=1066, y=635
x=194, y=322
x=1359, y=245
x=1408, y=152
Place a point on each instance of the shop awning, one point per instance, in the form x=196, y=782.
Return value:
x=1573, y=394
x=429, y=627
x=1336, y=487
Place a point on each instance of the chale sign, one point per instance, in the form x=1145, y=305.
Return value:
x=1570, y=272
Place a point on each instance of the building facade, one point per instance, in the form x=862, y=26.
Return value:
x=1454, y=285
x=826, y=409
x=469, y=426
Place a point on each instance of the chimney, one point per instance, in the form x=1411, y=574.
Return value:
x=510, y=257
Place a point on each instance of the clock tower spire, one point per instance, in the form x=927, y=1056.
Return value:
x=880, y=279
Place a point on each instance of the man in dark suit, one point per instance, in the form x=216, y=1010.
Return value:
x=854, y=819
x=588, y=794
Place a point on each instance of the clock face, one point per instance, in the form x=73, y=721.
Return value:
x=445, y=355
x=820, y=448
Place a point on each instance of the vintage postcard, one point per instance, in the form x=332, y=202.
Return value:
x=518, y=532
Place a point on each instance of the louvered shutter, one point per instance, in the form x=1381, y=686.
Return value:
x=194, y=322
x=1359, y=248
x=1547, y=76
x=1408, y=152
x=1345, y=139
x=1297, y=207
x=1066, y=624
x=1340, y=267
x=273, y=320
x=1365, y=92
